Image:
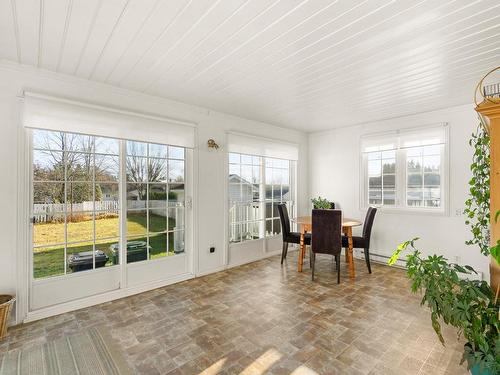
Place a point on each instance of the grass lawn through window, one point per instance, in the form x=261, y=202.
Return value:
x=49, y=260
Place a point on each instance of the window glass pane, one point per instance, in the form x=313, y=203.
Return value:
x=80, y=226
x=234, y=158
x=176, y=242
x=175, y=171
x=48, y=228
x=80, y=196
x=80, y=257
x=389, y=166
x=48, y=197
x=375, y=196
x=109, y=196
x=246, y=159
x=375, y=182
x=414, y=165
x=107, y=146
x=108, y=247
x=48, y=165
x=48, y=261
x=234, y=231
x=234, y=172
x=389, y=197
x=136, y=195
x=414, y=197
x=107, y=168
x=137, y=148
x=137, y=170
x=432, y=163
x=176, y=152
x=374, y=168
x=79, y=166
x=137, y=249
x=137, y=222
x=246, y=173
x=157, y=221
x=389, y=181
x=48, y=140
x=432, y=197
x=107, y=224
x=432, y=179
x=157, y=151
x=176, y=192
x=256, y=174
x=176, y=218
x=158, y=197
x=79, y=143
x=158, y=245
x=157, y=170
x=414, y=180
x=374, y=155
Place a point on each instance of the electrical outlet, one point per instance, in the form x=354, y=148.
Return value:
x=212, y=250
x=459, y=212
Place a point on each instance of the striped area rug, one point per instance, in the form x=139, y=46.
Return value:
x=91, y=352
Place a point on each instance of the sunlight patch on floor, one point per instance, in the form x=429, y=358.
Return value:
x=215, y=368
x=261, y=364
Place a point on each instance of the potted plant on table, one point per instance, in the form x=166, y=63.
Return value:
x=321, y=203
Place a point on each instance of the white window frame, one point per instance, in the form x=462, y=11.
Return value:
x=401, y=176
x=263, y=201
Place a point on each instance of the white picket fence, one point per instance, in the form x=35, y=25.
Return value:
x=49, y=212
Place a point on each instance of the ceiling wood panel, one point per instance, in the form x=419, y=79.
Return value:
x=304, y=64
x=8, y=39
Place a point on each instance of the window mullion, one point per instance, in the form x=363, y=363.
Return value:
x=262, y=199
x=401, y=178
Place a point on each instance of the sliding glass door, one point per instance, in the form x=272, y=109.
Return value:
x=106, y=213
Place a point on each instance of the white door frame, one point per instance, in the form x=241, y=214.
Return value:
x=24, y=242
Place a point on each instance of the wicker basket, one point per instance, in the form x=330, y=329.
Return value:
x=6, y=302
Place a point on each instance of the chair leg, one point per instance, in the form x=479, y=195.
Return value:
x=367, y=259
x=313, y=260
x=337, y=260
x=284, y=251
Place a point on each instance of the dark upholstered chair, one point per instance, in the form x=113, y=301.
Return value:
x=326, y=236
x=363, y=242
x=289, y=236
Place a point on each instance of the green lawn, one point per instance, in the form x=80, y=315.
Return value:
x=49, y=260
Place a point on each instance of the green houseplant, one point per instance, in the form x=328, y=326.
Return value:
x=468, y=305
x=321, y=203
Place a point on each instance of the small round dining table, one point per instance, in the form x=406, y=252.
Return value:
x=305, y=226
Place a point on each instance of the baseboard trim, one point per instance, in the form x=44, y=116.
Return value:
x=102, y=298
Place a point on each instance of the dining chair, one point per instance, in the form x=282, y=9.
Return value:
x=288, y=235
x=363, y=242
x=326, y=236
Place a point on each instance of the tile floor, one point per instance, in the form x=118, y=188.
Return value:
x=263, y=318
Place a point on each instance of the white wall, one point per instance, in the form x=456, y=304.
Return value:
x=334, y=173
x=211, y=168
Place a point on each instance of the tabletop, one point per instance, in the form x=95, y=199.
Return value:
x=307, y=220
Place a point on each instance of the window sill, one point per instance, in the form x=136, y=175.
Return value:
x=411, y=211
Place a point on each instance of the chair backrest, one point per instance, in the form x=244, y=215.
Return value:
x=285, y=220
x=368, y=224
x=326, y=232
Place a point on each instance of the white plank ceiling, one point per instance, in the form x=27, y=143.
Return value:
x=305, y=64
